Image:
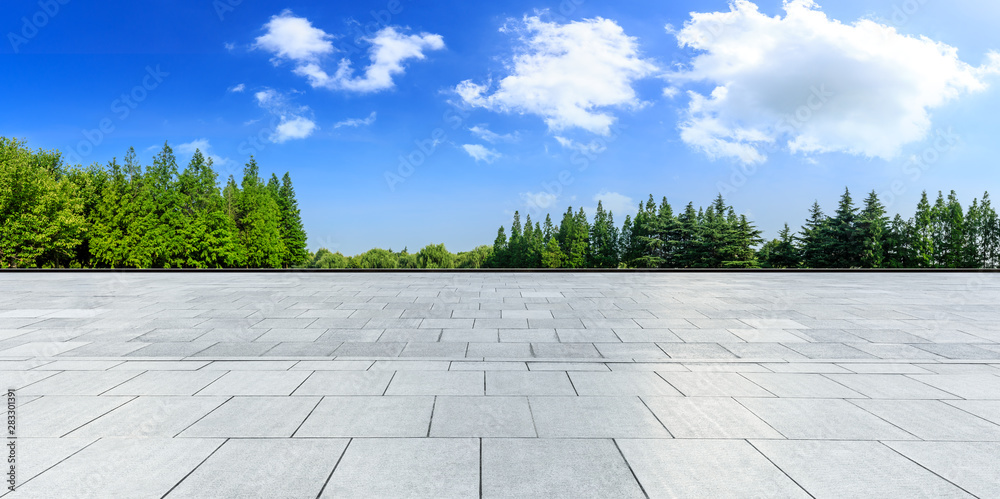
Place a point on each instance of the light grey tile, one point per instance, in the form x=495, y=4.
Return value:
x=253, y=417
x=594, y=417
x=932, y=419
x=482, y=417
x=973, y=466
x=256, y=383
x=437, y=383
x=705, y=468
x=889, y=386
x=714, y=384
x=968, y=386
x=708, y=417
x=555, y=468
x=377, y=467
x=621, y=383
x=150, y=417
x=528, y=383
x=78, y=383
x=55, y=416
x=801, y=385
x=371, y=416
x=166, y=383
x=832, y=419
x=346, y=383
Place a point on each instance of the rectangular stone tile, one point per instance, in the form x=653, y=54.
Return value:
x=375, y=467
x=332, y=365
x=236, y=349
x=449, y=323
x=161, y=335
x=122, y=467
x=646, y=366
x=282, y=335
x=772, y=323
x=986, y=409
x=932, y=419
x=42, y=348
x=555, y=468
x=621, y=383
x=161, y=365
x=565, y=351
x=369, y=416
x=172, y=349
x=410, y=335
x=708, y=417
x=968, y=386
x=640, y=351
x=150, y=417
x=265, y=468
x=767, y=335
x=488, y=366
x=20, y=379
x=249, y=365
x=346, y=383
x=300, y=349
x=166, y=383
x=411, y=365
x=35, y=455
x=801, y=385
x=563, y=323
x=714, y=384
x=350, y=335
x=588, y=336
x=853, y=469
x=889, y=386
x=696, y=351
x=55, y=416
x=763, y=351
x=959, y=351
x=706, y=335
x=832, y=419
x=528, y=383
x=705, y=468
x=103, y=349
x=470, y=335
x=78, y=383
x=969, y=465
x=348, y=350
x=253, y=417
x=79, y=365
x=449, y=350
x=594, y=417
x=567, y=366
x=256, y=383
x=894, y=368
x=527, y=335
x=507, y=417
x=437, y=383
x=499, y=350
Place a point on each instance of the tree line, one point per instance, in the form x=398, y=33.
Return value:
x=126, y=215
x=939, y=235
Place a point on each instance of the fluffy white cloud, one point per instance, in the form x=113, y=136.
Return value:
x=205, y=147
x=539, y=200
x=238, y=88
x=294, y=38
x=357, y=122
x=389, y=49
x=292, y=120
x=813, y=84
x=569, y=74
x=616, y=203
x=481, y=153
x=590, y=149
x=492, y=137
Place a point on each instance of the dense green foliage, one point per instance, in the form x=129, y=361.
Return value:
x=126, y=215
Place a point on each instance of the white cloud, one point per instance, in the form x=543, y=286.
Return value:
x=614, y=202
x=292, y=120
x=481, y=153
x=589, y=149
x=294, y=38
x=814, y=84
x=569, y=74
x=357, y=122
x=238, y=88
x=539, y=200
x=492, y=137
x=389, y=49
x=229, y=46
x=206, y=150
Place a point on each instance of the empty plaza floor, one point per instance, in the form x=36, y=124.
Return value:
x=511, y=384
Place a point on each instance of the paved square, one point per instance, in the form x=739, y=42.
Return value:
x=505, y=384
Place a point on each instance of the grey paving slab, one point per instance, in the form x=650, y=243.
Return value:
x=56, y=416
x=594, y=417
x=986, y=409
x=499, y=350
x=255, y=383
x=932, y=419
x=35, y=455
x=160, y=365
x=833, y=419
x=621, y=383
x=854, y=469
x=552, y=468
x=361, y=416
x=355, y=350
x=973, y=466
x=968, y=386
x=488, y=366
x=790, y=385
x=252, y=417
x=122, y=467
x=705, y=468
x=508, y=417
x=708, y=417
x=437, y=383
x=166, y=383
x=714, y=384
x=346, y=383
x=528, y=383
x=264, y=468
x=78, y=383
x=150, y=417
x=332, y=365
x=407, y=467
x=889, y=386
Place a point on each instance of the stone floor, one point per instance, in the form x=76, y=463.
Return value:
x=503, y=384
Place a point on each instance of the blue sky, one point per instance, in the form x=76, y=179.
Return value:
x=517, y=105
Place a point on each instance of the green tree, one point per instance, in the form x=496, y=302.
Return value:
x=479, y=257
x=292, y=231
x=499, y=258
x=603, y=240
x=258, y=221
x=207, y=233
x=873, y=226
x=553, y=256
x=435, y=256
x=922, y=235
x=814, y=239
x=843, y=239
x=783, y=254
x=376, y=258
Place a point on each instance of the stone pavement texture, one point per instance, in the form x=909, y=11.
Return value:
x=503, y=384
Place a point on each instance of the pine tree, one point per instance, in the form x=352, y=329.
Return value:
x=208, y=233
x=954, y=250
x=813, y=239
x=258, y=221
x=873, y=225
x=899, y=244
x=783, y=254
x=688, y=242
x=292, y=231
x=990, y=234
x=499, y=259
x=843, y=238
x=553, y=256
x=603, y=240
x=922, y=240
